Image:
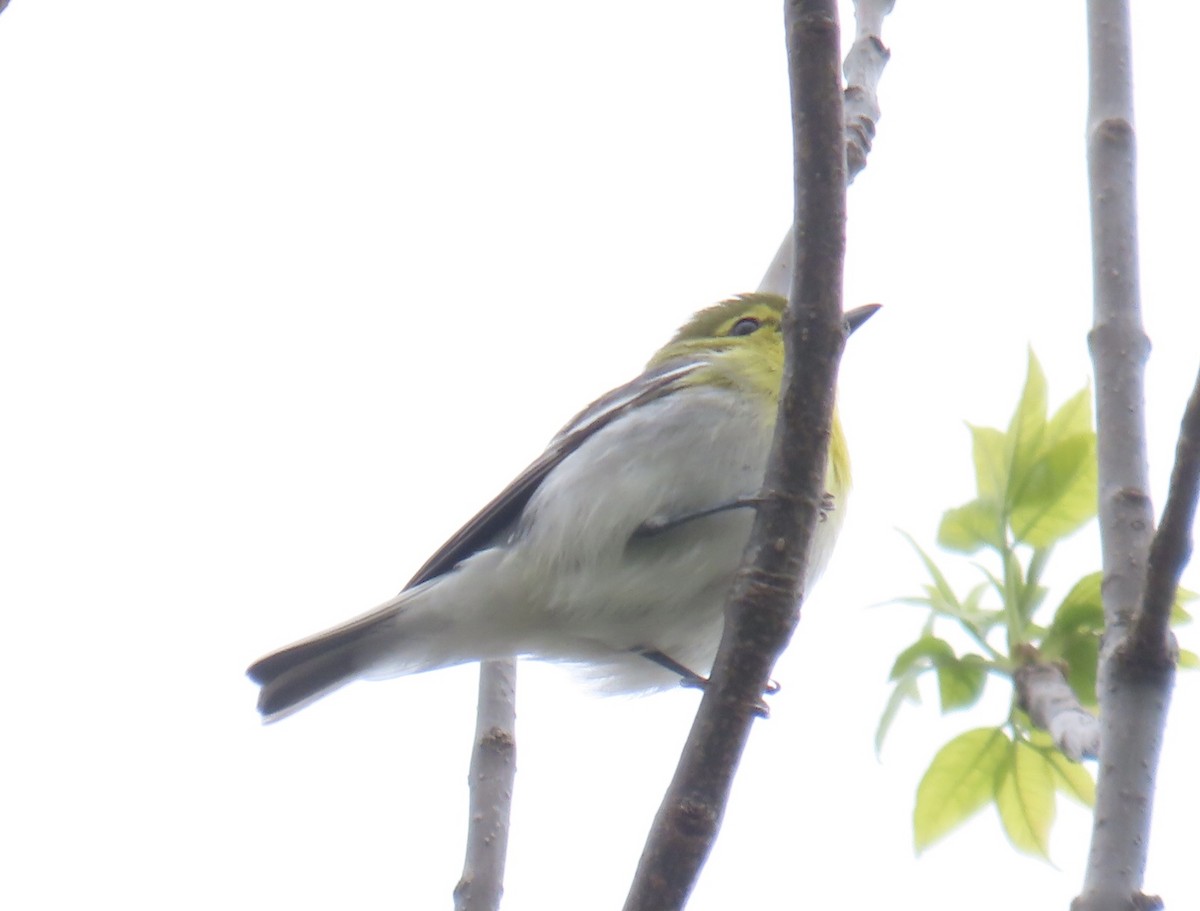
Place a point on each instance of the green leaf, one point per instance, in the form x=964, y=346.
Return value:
x=939, y=604
x=1025, y=798
x=1084, y=604
x=1035, y=593
x=1025, y=430
x=1074, y=636
x=1057, y=493
x=967, y=613
x=1073, y=418
x=972, y=526
x=943, y=587
x=961, y=682
x=1188, y=660
x=996, y=582
x=905, y=691
x=1081, y=611
x=1082, y=654
x=910, y=601
x=1051, y=487
x=974, y=617
x=970, y=604
x=991, y=462
x=930, y=647
x=959, y=782
x=1014, y=585
x=1180, y=616
x=1071, y=778
x=1032, y=598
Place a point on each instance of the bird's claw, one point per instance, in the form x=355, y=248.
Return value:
x=651, y=527
x=759, y=707
x=828, y=505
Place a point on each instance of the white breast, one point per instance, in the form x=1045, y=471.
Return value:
x=575, y=583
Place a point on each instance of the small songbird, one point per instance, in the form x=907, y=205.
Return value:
x=615, y=549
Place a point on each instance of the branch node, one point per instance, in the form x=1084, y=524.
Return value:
x=1113, y=130
x=695, y=817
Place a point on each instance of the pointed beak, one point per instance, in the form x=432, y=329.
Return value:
x=859, y=315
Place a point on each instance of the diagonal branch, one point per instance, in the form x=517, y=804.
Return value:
x=763, y=609
x=1044, y=693
x=863, y=68
x=493, y=770
x=1172, y=544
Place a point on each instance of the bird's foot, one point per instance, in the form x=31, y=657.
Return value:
x=689, y=679
x=828, y=505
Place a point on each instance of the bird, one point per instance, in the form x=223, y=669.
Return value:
x=615, y=549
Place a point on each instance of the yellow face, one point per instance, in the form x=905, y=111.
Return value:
x=741, y=341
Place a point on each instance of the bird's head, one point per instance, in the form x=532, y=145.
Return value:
x=741, y=341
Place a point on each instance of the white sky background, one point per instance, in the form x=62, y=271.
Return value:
x=290, y=289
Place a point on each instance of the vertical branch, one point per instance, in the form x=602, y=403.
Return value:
x=1133, y=689
x=763, y=605
x=493, y=769
x=863, y=68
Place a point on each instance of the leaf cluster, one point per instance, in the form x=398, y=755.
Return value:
x=1035, y=485
x=1020, y=775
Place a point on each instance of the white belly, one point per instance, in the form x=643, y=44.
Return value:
x=575, y=584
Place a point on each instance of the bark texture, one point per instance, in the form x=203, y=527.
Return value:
x=763, y=609
x=1133, y=688
x=493, y=771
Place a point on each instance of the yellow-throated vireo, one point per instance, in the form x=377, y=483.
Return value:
x=615, y=549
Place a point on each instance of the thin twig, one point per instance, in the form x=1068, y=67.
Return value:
x=1172, y=544
x=493, y=770
x=763, y=609
x=1133, y=694
x=863, y=68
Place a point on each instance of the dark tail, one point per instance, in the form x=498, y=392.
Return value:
x=295, y=676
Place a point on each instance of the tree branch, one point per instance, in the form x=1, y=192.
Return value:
x=863, y=68
x=1172, y=544
x=493, y=770
x=1133, y=694
x=763, y=609
x=1044, y=693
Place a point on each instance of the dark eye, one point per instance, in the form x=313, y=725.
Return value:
x=745, y=326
